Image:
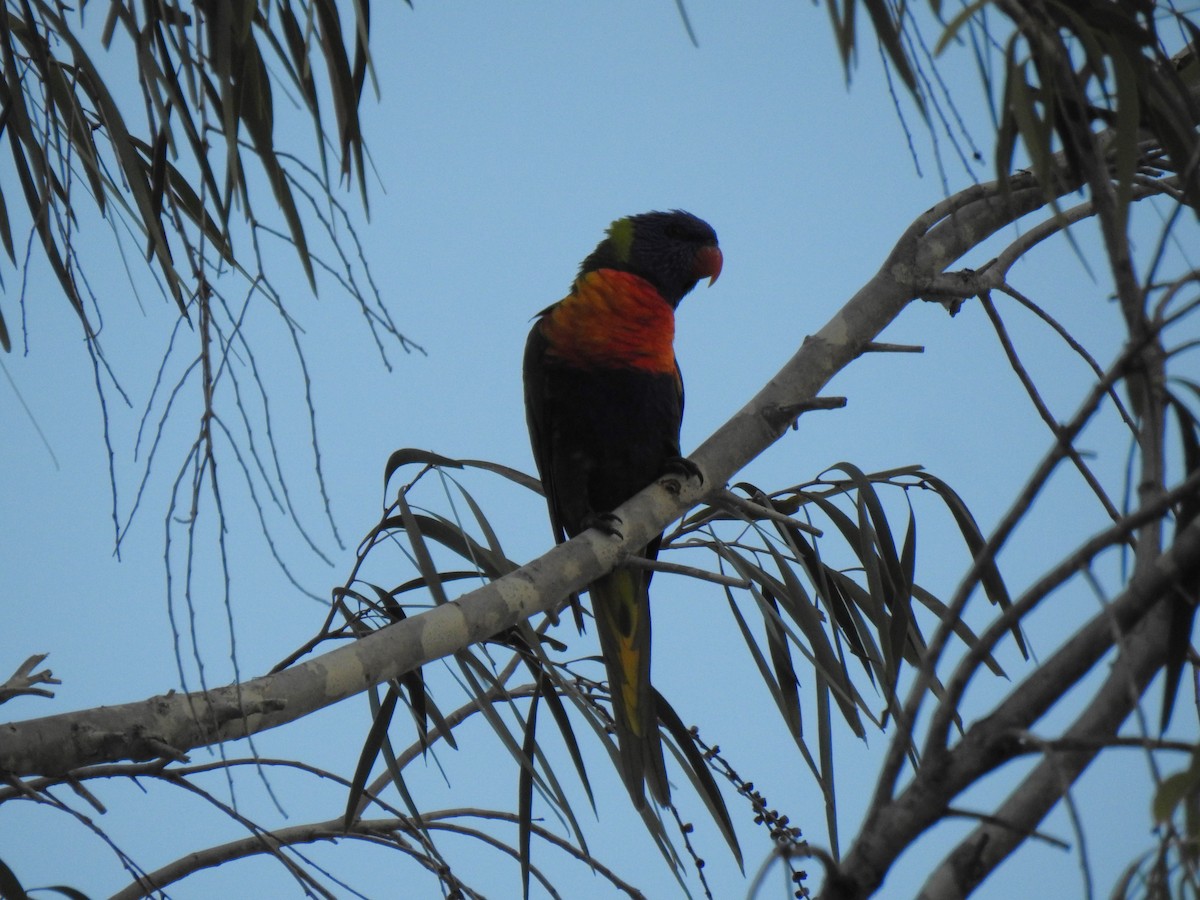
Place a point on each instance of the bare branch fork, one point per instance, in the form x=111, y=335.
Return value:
x=25, y=680
x=144, y=729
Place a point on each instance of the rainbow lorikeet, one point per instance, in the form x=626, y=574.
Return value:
x=604, y=401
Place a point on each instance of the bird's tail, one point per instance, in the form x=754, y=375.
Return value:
x=621, y=604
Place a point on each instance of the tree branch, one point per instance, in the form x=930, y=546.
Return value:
x=892, y=827
x=389, y=831
x=989, y=844
x=174, y=724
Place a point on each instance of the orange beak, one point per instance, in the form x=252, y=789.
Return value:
x=708, y=263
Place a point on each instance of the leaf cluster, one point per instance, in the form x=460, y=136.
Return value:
x=849, y=628
x=182, y=176
x=1064, y=71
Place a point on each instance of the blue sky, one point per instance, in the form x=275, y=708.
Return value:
x=505, y=140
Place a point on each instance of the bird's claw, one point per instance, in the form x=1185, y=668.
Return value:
x=608, y=523
x=679, y=468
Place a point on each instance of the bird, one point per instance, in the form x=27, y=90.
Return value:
x=604, y=404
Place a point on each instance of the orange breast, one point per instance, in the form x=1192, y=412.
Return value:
x=612, y=319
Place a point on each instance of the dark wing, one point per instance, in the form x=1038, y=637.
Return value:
x=679, y=388
x=538, y=411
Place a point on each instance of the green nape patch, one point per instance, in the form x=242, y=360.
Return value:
x=620, y=233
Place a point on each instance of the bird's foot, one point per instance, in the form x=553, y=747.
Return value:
x=677, y=469
x=608, y=523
